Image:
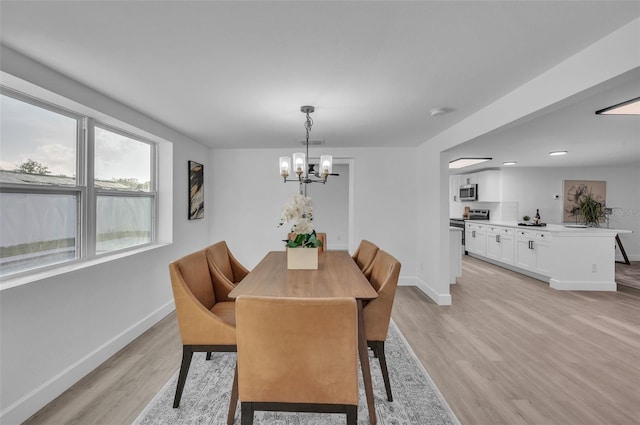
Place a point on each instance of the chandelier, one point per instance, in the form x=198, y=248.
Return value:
x=305, y=174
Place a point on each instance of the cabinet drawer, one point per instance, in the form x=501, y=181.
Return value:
x=498, y=230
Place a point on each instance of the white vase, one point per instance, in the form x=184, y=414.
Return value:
x=302, y=258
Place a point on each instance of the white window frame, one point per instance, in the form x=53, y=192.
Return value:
x=85, y=189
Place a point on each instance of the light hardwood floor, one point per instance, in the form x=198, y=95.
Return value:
x=510, y=350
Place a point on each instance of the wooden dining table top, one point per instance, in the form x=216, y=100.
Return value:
x=337, y=276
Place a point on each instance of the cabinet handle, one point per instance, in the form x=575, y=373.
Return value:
x=498, y=238
x=473, y=233
x=531, y=245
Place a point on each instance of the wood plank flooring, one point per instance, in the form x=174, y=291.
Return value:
x=510, y=350
x=628, y=274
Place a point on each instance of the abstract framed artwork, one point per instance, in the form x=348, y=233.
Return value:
x=196, y=190
x=576, y=189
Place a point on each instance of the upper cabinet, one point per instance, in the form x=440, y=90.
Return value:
x=489, y=186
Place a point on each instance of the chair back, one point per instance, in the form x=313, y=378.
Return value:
x=322, y=237
x=297, y=350
x=225, y=270
x=385, y=273
x=364, y=256
x=219, y=254
x=190, y=276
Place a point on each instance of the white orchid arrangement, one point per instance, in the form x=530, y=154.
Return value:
x=299, y=213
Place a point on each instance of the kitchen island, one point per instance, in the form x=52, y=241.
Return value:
x=567, y=257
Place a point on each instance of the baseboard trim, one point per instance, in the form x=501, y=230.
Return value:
x=440, y=299
x=29, y=404
x=567, y=285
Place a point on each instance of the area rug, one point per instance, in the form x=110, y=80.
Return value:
x=205, y=400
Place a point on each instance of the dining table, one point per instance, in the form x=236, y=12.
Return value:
x=337, y=276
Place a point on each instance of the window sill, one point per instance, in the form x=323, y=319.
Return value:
x=12, y=282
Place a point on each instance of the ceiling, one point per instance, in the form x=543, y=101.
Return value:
x=234, y=74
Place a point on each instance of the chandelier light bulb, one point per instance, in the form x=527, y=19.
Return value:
x=285, y=166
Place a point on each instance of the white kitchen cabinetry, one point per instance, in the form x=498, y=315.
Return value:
x=501, y=244
x=468, y=178
x=454, y=188
x=533, y=251
x=489, y=186
x=568, y=258
x=475, y=238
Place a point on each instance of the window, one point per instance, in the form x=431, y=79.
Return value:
x=59, y=204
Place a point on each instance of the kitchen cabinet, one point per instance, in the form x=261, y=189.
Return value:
x=454, y=186
x=489, y=186
x=568, y=258
x=533, y=251
x=475, y=238
x=501, y=244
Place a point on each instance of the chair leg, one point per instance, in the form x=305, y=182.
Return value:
x=352, y=415
x=246, y=413
x=383, y=367
x=209, y=355
x=187, y=354
x=234, y=398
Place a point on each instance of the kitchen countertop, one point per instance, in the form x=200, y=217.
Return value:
x=555, y=228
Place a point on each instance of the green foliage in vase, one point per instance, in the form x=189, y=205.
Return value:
x=304, y=240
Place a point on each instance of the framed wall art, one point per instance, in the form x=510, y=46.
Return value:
x=196, y=190
x=574, y=190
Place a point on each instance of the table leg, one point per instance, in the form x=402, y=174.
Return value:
x=364, y=364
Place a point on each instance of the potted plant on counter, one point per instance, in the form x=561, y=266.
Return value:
x=592, y=211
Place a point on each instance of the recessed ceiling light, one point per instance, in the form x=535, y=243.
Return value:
x=630, y=107
x=509, y=163
x=557, y=153
x=466, y=162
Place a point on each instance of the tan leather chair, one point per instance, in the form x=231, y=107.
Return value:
x=323, y=238
x=226, y=271
x=206, y=323
x=377, y=312
x=364, y=256
x=297, y=354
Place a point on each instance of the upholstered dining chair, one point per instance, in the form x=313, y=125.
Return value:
x=322, y=237
x=206, y=323
x=297, y=354
x=226, y=271
x=377, y=312
x=364, y=256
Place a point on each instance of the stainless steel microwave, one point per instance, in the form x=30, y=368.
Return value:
x=468, y=192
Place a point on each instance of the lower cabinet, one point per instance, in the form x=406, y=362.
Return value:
x=533, y=251
x=475, y=238
x=501, y=244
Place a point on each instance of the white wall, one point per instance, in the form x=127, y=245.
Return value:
x=55, y=330
x=331, y=207
x=247, y=205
